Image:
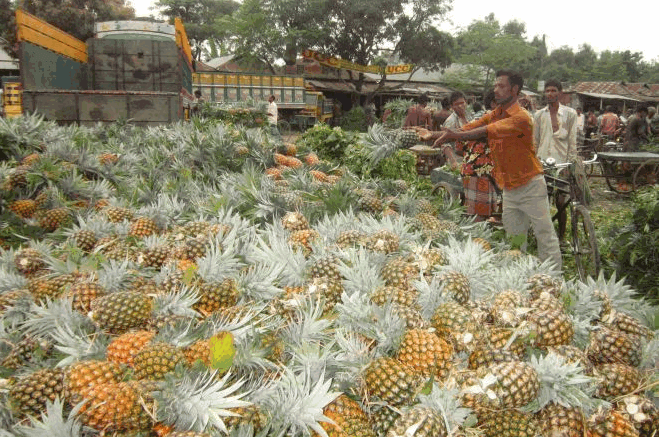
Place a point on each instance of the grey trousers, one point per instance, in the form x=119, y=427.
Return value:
x=529, y=204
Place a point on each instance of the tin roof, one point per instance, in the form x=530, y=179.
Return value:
x=617, y=90
x=7, y=62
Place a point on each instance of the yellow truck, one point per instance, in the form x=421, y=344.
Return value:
x=297, y=104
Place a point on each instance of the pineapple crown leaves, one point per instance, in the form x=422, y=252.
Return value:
x=116, y=275
x=52, y=422
x=10, y=279
x=257, y=282
x=320, y=360
x=177, y=302
x=621, y=295
x=76, y=344
x=43, y=319
x=308, y=323
x=380, y=142
x=468, y=257
x=245, y=324
x=446, y=402
x=431, y=295
x=650, y=353
x=272, y=247
x=251, y=362
x=181, y=332
x=296, y=403
x=563, y=383
x=218, y=263
x=382, y=324
x=165, y=210
x=198, y=401
x=360, y=269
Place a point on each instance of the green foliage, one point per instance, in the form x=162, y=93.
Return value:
x=631, y=250
x=355, y=120
x=399, y=165
x=328, y=143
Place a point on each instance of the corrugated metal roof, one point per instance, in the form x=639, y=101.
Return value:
x=7, y=62
x=608, y=96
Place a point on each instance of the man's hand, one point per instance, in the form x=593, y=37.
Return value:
x=423, y=133
x=445, y=135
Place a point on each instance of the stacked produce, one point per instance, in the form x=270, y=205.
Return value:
x=206, y=280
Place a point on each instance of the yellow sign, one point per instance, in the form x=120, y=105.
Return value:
x=333, y=62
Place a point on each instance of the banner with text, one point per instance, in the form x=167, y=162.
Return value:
x=333, y=62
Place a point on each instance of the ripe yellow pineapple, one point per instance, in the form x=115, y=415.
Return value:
x=457, y=285
x=551, y=328
x=384, y=241
x=24, y=208
x=611, y=346
x=615, y=380
x=294, y=221
x=391, y=381
x=81, y=378
x=303, y=239
x=349, y=418
x=610, y=423
x=404, y=296
x=83, y=294
x=398, y=272
x=216, y=295
x=428, y=421
x=117, y=214
x=555, y=419
x=312, y=159
x=425, y=352
x=143, y=227
x=123, y=348
x=517, y=385
x=54, y=218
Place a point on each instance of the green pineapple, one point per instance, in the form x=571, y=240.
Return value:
x=156, y=359
x=391, y=381
x=509, y=423
x=121, y=311
x=457, y=285
x=30, y=393
x=427, y=423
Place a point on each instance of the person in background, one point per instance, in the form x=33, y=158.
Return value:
x=197, y=104
x=439, y=117
x=580, y=126
x=419, y=115
x=526, y=104
x=336, y=113
x=272, y=116
x=509, y=131
x=636, y=131
x=609, y=123
x=456, y=120
x=652, y=121
x=555, y=136
x=591, y=124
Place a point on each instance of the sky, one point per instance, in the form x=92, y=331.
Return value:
x=606, y=25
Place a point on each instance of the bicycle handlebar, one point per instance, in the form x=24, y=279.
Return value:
x=551, y=163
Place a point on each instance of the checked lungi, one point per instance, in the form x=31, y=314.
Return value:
x=480, y=196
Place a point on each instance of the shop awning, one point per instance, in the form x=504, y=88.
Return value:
x=608, y=96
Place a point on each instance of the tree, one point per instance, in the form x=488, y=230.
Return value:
x=491, y=47
x=77, y=17
x=200, y=17
x=7, y=26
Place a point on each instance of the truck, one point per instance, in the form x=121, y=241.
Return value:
x=298, y=105
x=138, y=71
x=12, y=96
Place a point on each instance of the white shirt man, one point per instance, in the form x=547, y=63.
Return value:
x=272, y=110
x=555, y=129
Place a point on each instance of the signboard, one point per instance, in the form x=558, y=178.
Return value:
x=331, y=61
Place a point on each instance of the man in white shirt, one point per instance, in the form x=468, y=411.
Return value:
x=555, y=132
x=580, y=126
x=272, y=116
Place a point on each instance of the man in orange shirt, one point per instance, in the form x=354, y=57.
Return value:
x=518, y=171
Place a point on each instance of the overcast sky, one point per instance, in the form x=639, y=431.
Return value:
x=605, y=25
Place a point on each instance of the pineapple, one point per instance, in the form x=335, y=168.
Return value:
x=122, y=310
x=404, y=296
x=454, y=322
x=425, y=352
x=371, y=204
x=509, y=423
x=294, y=221
x=407, y=138
x=615, y=380
x=54, y=218
x=457, y=285
x=117, y=214
x=303, y=239
x=28, y=261
x=425, y=420
x=398, y=272
x=84, y=293
x=24, y=208
x=516, y=385
x=123, y=348
x=85, y=239
x=326, y=267
x=349, y=238
x=540, y=282
x=391, y=381
x=117, y=407
x=23, y=351
x=610, y=423
x=312, y=159
x=642, y=412
x=83, y=376
x=383, y=241
x=156, y=359
x=610, y=346
x=48, y=286
x=488, y=357
x=349, y=418
x=216, y=295
x=551, y=328
x=556, y=419
x=143, y=227
x=29, y=394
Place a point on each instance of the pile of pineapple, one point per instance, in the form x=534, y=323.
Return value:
x=353, y=307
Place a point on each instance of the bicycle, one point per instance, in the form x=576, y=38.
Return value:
x=583, y=246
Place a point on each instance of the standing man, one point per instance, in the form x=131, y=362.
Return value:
x=609, y=123
x=509, y=131
x=580, y=126
x=272, y=116
x=555, y=136
x=652, y=121
x=456, y=120
x=636, y=131
x=418, y=115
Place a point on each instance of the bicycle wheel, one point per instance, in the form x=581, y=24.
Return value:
x=618, y=177
x=646, y=174
x=585, y=247
x=446, y=192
